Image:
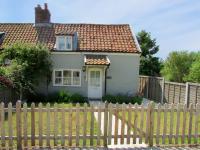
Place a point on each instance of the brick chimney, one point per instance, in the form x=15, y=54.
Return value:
x=42, y=16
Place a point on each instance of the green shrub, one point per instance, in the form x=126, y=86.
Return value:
x=77, y=98
x=109, y=98
x=58, y=97
x=122, y=99
x=137, y=100
x=53, y=97
x=36, y=97
x=64, y=96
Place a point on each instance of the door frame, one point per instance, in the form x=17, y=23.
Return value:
x=101, y=81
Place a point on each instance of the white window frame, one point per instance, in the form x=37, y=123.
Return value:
x=62, y=70
x=66, y=49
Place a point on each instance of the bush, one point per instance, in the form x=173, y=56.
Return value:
x=109, y=98
x=63, y=96
x=59, y=97
x=122, y=99
x=66, y=97
x=36, y=97
x=77, y=98
x=137, y=100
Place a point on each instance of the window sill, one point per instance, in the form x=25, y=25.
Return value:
x=67, y=85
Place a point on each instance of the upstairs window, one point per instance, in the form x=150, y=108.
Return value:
x=64, y=43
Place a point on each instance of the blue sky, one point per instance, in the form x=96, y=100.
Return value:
x=174, y=23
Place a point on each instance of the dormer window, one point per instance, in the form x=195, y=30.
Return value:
x=2, y=36
x=64, y=42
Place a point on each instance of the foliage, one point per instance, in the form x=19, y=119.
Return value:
x=194, y=72
x=4, y=82
x=28, y=64
x=58, y=97
x=63, y=96
x=77, y=98
x=122, y=99
x=177, y=66
x=109, y=98
x=36, y=97
x=149, y=64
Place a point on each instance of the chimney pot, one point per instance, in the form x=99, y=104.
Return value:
x=42, y=16
x=45, y=6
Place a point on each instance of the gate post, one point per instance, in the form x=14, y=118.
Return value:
x=18, y=125
x=105, y=124
x=150, y=120
x=163, y=90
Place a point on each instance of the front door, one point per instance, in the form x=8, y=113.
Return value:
x=95, y=83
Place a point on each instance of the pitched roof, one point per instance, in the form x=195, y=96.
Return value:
x=96, y=60
x=91, y=37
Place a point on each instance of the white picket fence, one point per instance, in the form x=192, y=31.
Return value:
x=20, y=127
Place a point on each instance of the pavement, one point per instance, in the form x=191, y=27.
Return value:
x=138, y=148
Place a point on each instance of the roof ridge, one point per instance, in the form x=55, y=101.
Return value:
x=91, y=24
x=24, y=23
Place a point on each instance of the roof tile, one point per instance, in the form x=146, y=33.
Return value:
x=91, y=37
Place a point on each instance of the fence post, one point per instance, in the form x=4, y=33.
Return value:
x=18, y=125
x=105, y=124
x=186, y=93
x=147, y=88
x=150, y=114
x=163, y=91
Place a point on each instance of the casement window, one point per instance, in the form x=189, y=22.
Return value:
x=64, y=43
x=67, y=77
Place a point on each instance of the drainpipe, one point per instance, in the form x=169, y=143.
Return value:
x=105, y=89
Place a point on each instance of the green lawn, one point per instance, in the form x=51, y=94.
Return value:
x=66, y=129
x=155, y=124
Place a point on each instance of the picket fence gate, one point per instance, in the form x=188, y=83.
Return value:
x=46, y=126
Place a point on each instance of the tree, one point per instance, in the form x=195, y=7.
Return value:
x=149, y=64
x=177, y=65
x=194, y=72
x=28, y=64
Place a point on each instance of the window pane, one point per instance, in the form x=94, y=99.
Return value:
x=76, y=78
x=92, y=74
x=76, y=74
x=68, y=42
x=61, y=43
x=97, y=74
x=67, y=81
x=58, y=80
x=67, y=73
x=58, y=74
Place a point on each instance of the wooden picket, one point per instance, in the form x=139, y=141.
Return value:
x=138, y=124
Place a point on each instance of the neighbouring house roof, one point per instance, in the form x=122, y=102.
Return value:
x=96, y=60
x=91, y=37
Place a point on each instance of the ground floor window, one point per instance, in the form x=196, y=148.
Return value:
x=67, y=77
